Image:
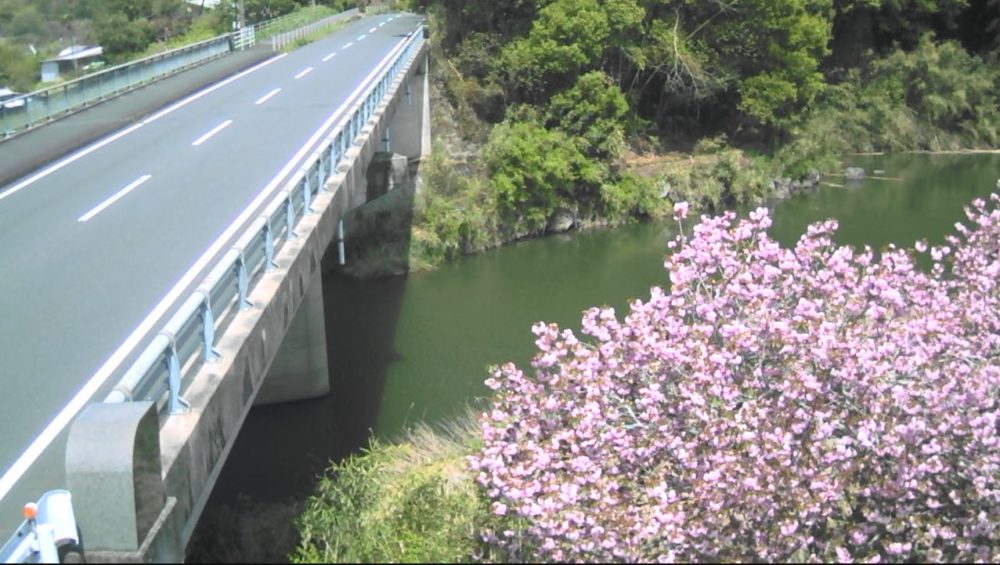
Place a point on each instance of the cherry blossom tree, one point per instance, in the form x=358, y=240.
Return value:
x=811, y=403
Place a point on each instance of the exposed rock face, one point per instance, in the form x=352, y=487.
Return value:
x=783, y=187
x=854, y=173
x=813, y=178
x=562, y=220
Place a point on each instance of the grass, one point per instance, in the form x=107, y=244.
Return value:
x=411, y=502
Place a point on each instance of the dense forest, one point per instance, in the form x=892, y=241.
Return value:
x=32, y=30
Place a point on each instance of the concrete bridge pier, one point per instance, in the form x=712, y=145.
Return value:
x=409, y=130
x=300, y=370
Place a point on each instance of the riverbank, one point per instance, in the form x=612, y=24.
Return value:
x=486, y=185
x=937, y=152
x=924, y=207
x=448, y=210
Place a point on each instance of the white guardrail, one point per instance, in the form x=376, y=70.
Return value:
x=189, y=336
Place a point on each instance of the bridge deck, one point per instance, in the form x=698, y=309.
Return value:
x=97, y=243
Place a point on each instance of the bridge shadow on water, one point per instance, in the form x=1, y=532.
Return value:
x=283, y=448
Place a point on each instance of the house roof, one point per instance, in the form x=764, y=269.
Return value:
x=78, y=52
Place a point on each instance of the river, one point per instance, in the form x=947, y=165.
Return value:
x=416, y=347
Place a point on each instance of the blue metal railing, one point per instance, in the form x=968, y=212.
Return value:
x=189, y=337
x=41, y=106
x=24, y=112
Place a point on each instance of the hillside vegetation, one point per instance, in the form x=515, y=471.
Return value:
x=556, y=111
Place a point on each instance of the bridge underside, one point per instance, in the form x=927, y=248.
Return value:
x=140, y=500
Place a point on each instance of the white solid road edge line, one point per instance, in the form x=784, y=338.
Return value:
x=267, y=96
x=73, y=407
x=211, y=132
x=114, y=137
x=117, y=196
x=303, y=73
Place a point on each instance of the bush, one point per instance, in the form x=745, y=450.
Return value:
x=454, y=213
x=412, y=502
x=935, y=97
x=816, y=403
x=631, y=197
x=723, y=178
x=535, y=170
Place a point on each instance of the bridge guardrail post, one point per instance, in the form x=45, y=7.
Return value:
x=322, y=163
x=208, y=328
x=306, y=191
x=306, y=194
x=175, y=404
x=269, y=262
x=243, y=282
x=290, y=219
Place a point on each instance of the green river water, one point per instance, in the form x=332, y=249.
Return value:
x=417, y=347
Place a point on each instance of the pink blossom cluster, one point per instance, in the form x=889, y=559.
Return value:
x=818, y=403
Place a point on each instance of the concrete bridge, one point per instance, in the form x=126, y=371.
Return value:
x=162, y=280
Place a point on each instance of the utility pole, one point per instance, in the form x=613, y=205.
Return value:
x=239, y=22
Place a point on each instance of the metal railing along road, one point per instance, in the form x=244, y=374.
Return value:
x=41, y=106
x=26, y=111
x=274, y=26
x=189, y=337
x=281, y=40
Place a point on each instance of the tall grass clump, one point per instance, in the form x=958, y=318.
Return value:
x=412, y=502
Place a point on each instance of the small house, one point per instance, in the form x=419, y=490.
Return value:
x=70, y=59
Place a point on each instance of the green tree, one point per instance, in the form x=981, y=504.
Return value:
x=130, y=9
x=506, y=18
x=592, y=112
x=120, y=36
x=535, y=170
x=27, y=23
x=260, y=10
x=18, y=68
x=567, y=38
x=761, y=57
